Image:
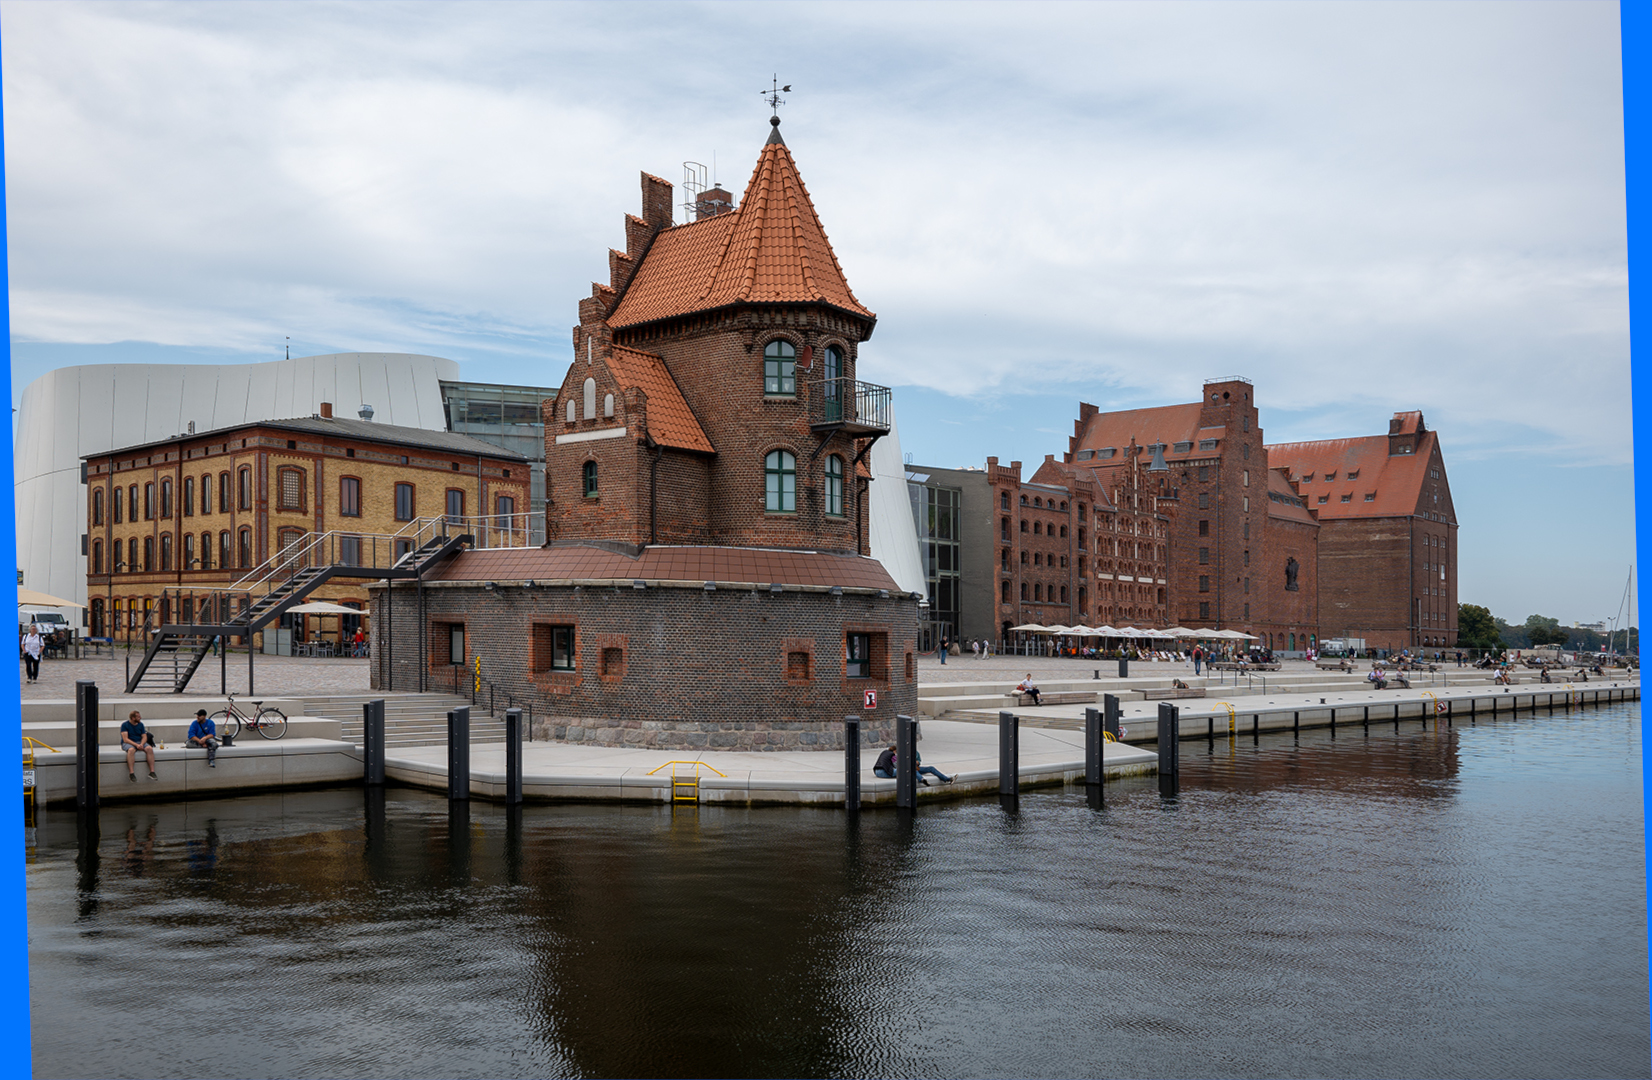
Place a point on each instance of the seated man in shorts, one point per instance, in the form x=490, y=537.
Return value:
x=134, y=737
x=1025, y=686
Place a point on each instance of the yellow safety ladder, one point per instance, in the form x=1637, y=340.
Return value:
x=28, y=769
x=685, y=786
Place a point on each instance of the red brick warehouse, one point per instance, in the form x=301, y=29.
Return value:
x=704, y=581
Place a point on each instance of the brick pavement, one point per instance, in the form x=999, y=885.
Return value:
x=273, y=676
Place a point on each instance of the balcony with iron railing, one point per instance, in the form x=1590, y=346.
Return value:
x=857, y=408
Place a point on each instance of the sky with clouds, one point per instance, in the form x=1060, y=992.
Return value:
x=1361, y=207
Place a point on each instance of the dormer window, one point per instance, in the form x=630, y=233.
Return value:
x=1086, y=455
x=1353, y=474
x=1183, y=447
x=1207, y=444
x=1106, y=452
x=1330, y=477
x=1308, y=478
x=780, y=369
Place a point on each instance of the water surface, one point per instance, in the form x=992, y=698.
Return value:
x=1462, y=902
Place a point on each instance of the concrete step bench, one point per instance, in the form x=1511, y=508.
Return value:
x=1173, y=692
x=1058, y=697
x=1332, y=665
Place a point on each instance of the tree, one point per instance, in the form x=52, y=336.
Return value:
x=1542, y=630
x=1475, y=628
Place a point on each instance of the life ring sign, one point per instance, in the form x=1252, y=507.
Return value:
x=871, y=699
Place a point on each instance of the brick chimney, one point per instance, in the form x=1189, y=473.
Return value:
x=326, y=410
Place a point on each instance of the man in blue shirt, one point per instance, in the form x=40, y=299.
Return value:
x=204, y=733
x=134, y=737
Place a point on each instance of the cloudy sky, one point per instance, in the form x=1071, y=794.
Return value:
x=1360, y=207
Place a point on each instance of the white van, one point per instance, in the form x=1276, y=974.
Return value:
x=47, y=620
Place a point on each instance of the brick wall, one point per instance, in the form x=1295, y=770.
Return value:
x=696, y=669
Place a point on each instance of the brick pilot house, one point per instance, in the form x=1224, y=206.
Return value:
x=705, y=581
x=1387, y=533
x=174, y=526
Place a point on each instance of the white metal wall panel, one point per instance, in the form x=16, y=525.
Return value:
x=894, y=537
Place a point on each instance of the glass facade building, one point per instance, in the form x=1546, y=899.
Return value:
x=507, y=416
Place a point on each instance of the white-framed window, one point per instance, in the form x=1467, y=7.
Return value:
x=780, y=369
x=834, y=485
x=780, y=482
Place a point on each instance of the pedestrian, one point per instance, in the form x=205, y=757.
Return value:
x=1198, y=659
x=943, y=648
x=33, y=646
x=204, y=733
x=134, y=737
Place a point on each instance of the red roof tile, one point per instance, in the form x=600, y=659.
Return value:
x=771, y=249
x=761, y=566
x=1283, y=501
x=1394, y=480
x=670, y=421
x=1167, y=424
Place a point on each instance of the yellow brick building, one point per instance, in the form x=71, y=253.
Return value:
x=172, y=524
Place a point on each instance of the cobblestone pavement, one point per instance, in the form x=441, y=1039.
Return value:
x=273, y=676
x=294, y=676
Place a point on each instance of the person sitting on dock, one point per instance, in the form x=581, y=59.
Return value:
x=1377, y=679
x=885, y=766
x=1025, y=686
x=134, y=737
x=930, y=770
x=204, y=733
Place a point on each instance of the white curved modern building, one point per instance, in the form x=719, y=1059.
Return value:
x=74, y=411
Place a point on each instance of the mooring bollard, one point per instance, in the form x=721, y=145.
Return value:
x=458, y=753
x=372, y=737
x=1124, y=668
x=1092, y=746
x=851, y=763
x=1110, y=711
x=86, y=744
x=1170, y=748
x=513, y=757
x=906, y=769
x=1009, y=754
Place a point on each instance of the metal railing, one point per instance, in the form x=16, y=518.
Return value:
x=846, y=401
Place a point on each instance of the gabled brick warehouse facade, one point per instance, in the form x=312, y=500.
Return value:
x=704, y=583
x=1387, y=533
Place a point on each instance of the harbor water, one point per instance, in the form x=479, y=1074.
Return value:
x=1462, y=900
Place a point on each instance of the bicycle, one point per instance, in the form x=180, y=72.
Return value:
x=269, y=722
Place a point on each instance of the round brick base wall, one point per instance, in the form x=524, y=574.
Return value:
x=708, y=735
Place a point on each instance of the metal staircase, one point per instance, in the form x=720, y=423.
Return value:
x=176, y=649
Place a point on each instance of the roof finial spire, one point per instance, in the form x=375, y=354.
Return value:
x=772, y=96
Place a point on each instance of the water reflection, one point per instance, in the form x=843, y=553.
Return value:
x=1366, y=905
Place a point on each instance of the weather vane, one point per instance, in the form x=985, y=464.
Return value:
x=772, y=95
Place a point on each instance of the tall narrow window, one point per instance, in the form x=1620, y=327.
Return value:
x=132, y=502
x=166, y=551
x=206, y=551
x=116, y=504
x=404, y=502
x=780, y=369
x=245, y=480
x=504, y=507
x=223, y=551
x=189, y=552
x=290, y=483
x=246, y=548
x=780, y=482
x=589, y=479
x=97, y=557
x=188, y=497
x=206, y=493
x=223, y=493
x=349, y=496
x=833, y=387
x=834, y=485
x=166, y=499
x=149, y=502
x=455, y=505
x=132, y=556
x=97, y=506
x=148, y=553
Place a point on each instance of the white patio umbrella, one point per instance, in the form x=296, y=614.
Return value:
x=30, y=598
x=324, y=607
x=1032, y=628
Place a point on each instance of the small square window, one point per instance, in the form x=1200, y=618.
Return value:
x=1348, y=497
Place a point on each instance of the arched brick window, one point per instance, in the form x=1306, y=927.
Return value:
x=149, y=553
x=166, y=551
x=166, y=499
x=780, y=369
x=834, y=485
x=780, y=482
x=97, y=506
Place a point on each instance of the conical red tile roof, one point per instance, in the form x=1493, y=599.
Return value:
x=771, y=249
